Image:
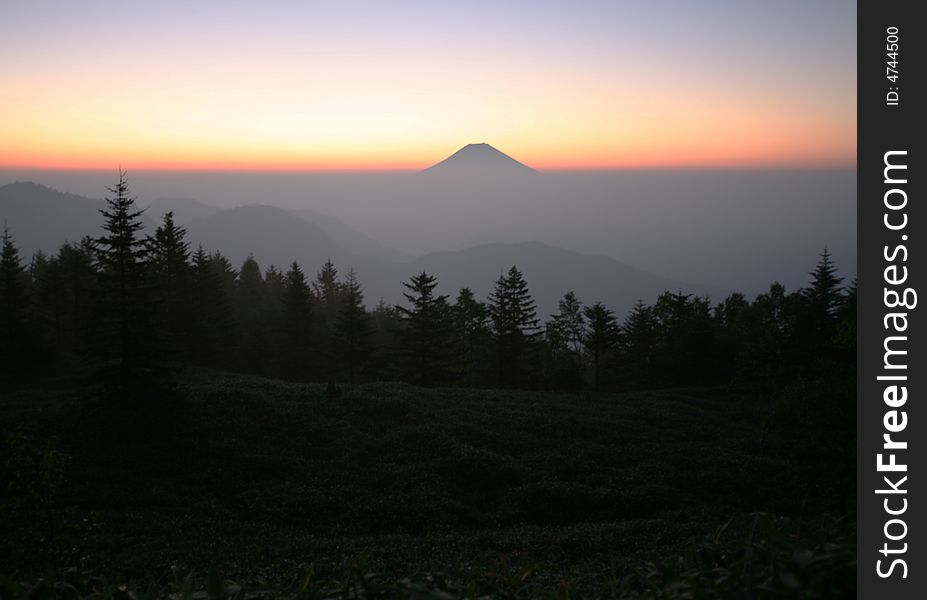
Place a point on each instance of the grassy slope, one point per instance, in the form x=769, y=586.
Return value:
x=257, y=476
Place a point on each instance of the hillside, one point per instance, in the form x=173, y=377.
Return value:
x=272, y=235
x=262, y=476
x=43, y=218
x=550, y=272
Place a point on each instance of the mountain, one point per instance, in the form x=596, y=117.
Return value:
x=358, y=244
x=184, y=209
x=353, y=241
x=550, y=272
x=273, y=235
x=42, y=218
x=479, y=157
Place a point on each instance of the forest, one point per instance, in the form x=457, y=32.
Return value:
x=130, y=305
x=166, y=417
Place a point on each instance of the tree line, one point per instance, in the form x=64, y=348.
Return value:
x=128, y=308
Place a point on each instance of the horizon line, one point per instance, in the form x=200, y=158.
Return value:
x=824, y=166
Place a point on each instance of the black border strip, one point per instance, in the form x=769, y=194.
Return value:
x=886, y=124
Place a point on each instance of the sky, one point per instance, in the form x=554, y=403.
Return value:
x=400, y=85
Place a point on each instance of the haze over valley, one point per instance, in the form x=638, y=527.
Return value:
x=702, y=231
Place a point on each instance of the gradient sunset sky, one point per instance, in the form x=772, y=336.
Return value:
x=400, y=85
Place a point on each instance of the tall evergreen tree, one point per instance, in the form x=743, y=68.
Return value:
x=637, y=346
x=814, y=312
x=13, y=306
x=328, y=290
x=471, y=336
x=567, y=327
x=738, y=328
x=564, y=336
x=601, y=337
x=352, y=329
x=825, y=297
x=825, y=288
x=297, y=324
x=62, y=292
x=125, y=321
x=169, y=256
x=687, y=344
x=212, y=331
x=515, y=327
x=251, y=309
x=425, y=337
x=386, y=321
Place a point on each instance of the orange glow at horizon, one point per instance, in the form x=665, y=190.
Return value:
x=334, y=103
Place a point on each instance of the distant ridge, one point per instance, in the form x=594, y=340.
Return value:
x=479, y=156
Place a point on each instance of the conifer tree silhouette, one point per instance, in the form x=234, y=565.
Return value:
x=471, y=335
x=252, y=312
x=564, y=336
x=212, y=330
x=125, y=321
x=352, y=329
x=601, y=337
x=386, y=322
x=824, y=294
x=297, y=324
x=638, y=344
x=425, y=336
x=13, y=306
x=328, y=290
x=169, y=257
x=515, y=326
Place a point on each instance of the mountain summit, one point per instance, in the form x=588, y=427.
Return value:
x=480, y=156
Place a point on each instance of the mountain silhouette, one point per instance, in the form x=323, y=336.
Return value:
x=273, y=235
x=550, y=272
x=481, y=157
x=40, y=217
x=354, y=242
x=184, y=209
x=43, y=218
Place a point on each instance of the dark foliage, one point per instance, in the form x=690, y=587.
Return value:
x=125, y=304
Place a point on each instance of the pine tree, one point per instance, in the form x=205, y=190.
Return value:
x=212, y=330
x=328, y=290
x=425, y=336
x=63, y=288
x=738, y=329
x=169, y=255
x=386, y=321
x=513, y=317
x=471, y=335
x=352, y=329
x=250, y=313
x=638, y=345
x=122, y=253
x=824, y=296
x=274, y=284
x=564, y=336
x=13, y=306
x=567, y=327
x=49, y=297
x=297, y=324
x=687, y=342
x=600, y=338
